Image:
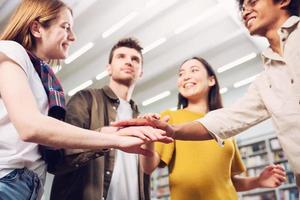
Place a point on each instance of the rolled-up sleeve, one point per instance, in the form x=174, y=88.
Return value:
x=246, y=112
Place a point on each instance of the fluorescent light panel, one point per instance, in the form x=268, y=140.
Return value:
x=223, y=90
x=236, y=63
x=119, y=25
x=244, y=82
x=80, y=87
x=156, y=98
x=102, y=75
x=154, y=45
x=79, y=52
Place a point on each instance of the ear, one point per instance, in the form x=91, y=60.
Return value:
x=35, y=29
x=109, y=69
x=211, y=81
x=285, y=3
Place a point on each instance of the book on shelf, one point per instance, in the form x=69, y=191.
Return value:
x=260, y=152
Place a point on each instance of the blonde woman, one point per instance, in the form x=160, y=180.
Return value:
x=32, y=100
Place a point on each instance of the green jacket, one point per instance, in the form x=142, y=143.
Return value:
x=86, y=174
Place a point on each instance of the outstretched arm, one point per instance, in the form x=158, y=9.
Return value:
x=33, y=126
x=218, y=124
x=272, y=176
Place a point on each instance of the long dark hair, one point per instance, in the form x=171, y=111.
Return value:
x=214, y=96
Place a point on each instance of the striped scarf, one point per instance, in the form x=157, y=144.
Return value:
x=52, y=86
x=56, y=101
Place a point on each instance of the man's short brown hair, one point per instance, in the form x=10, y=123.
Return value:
x=126, y=42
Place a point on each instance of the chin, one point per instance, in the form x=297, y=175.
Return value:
x=63, y=56
x=256, y=31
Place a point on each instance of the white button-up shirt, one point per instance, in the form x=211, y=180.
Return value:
x=274, y=94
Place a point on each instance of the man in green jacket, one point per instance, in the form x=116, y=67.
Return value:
x=104, y=174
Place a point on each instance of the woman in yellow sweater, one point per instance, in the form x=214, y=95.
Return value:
x=202, y=169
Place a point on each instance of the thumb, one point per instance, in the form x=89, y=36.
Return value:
x=166, y=118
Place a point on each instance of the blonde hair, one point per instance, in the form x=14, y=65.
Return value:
x=18, y=27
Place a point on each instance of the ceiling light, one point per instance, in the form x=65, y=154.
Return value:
x=223, y=90
x=236, y=63
x=154, y=45
x=156, y=98
x=80, y=87
x=102, y=75
x=118, y=25
x=79, y=52
x=244, y=82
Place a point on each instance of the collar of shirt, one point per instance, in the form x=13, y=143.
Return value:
x=284, y=31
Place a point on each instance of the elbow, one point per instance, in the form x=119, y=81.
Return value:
x=28, y=134
x=29, y=130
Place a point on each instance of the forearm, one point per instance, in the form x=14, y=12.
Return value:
x=245, y=183
x=191, y=131
x=51, y=132
x=149, y=164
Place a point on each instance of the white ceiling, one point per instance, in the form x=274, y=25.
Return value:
x=217, y=36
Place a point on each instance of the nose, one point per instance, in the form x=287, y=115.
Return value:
x=186, y=77
x=71, y=36
x=245, y=12
x=128, y=61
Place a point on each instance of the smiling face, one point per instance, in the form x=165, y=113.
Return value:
x=261, y=16
x=126, y=66
x=193, y=80
x=53, y=41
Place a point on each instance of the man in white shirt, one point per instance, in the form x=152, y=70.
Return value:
x=274, y=94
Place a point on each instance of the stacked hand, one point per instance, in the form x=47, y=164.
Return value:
x=132, y=138
x=152, y=120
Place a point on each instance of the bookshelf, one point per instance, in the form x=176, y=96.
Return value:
x=258, y=153
x=160, y=184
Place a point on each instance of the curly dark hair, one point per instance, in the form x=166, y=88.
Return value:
x=292, y=8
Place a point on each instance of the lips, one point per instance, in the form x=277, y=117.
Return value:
x=188, y=85
x=127, y=69
x=65, y=45
x=250, y=21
